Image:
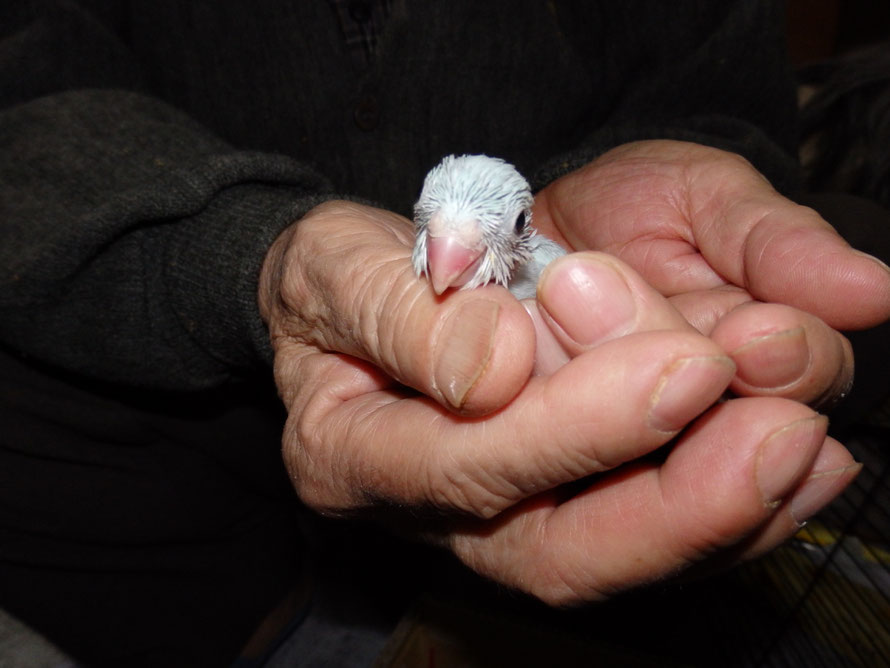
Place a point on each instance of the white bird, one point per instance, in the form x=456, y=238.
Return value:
x=473, y=221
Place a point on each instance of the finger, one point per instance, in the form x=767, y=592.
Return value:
x=585, y=299
x=644, y=522
x=703, y=309
x=783, y=252
x=352, y=439
x=345, y=284
x=832, y=471
x=780, y=351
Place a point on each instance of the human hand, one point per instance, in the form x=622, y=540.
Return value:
x=535, y=482
x=764, y=277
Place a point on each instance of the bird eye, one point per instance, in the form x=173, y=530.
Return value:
x=520, y=222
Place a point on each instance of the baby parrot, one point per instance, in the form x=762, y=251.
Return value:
x=473, y=221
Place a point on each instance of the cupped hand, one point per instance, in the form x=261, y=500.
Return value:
x=401, y=401
x=766, y=278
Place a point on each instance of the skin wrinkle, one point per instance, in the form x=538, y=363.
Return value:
x=283, y=371
x=544, y=476
x=401, y=298
x=680, y=558
x=694, y=544
x=509, y=477
x=364, y=283
x=497, y=481
x=556, y=582
x=584, y=460
x=709, y=539
x=618, y=220
x=719, y=204
x=308, y=430
x=587, y=459
x=571, y=586
x=670, y=211
x=343, y=425
x=748, y=264
x=565, y=586
x=498, y=492
x=525, y=546
x=452, y=490
x=416, y=480
x=359, y=283
x=329, y=395
x=303, y=290
x=577, y=462
x=458, y=489
x=716, y=213
x=363, y=426
x=275, y=279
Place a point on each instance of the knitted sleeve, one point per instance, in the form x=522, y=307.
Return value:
x=130, y=236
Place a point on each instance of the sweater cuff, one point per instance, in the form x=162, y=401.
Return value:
x=213, y=282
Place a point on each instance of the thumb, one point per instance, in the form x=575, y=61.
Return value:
x=340, y=281
x=783, y=252
x=794, y=257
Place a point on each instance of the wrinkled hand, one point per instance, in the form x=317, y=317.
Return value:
x=400, y=401
x=765, y=278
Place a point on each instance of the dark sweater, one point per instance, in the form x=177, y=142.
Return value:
x=150, y=151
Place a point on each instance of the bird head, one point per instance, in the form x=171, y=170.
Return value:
x=473, y=222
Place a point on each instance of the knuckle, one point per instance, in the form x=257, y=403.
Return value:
x=306, y=455
x=451, y=486
x=558, y=584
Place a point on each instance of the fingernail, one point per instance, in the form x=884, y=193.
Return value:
x=588, y=299
x=786, y=455
x=464, y=348
x=774, y=360
x=687, y=388
x=819, y=490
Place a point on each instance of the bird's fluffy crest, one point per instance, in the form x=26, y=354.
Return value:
x=490, y=192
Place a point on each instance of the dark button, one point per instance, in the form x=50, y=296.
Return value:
x=367, y=113
x=360, y=11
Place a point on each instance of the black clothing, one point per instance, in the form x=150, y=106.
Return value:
x=138, y=528
x=150, y=151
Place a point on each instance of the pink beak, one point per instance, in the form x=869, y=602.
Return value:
x=450, y=263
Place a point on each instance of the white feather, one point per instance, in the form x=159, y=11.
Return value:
x=493, y=193
x=524, y=284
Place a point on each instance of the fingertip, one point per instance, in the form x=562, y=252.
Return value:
x=806, y=264
x=782, y=351
x=833, y=470
x=484, y=352
x=851, y=292
x=873, y=280
x=587, y=299
x=774, y=443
